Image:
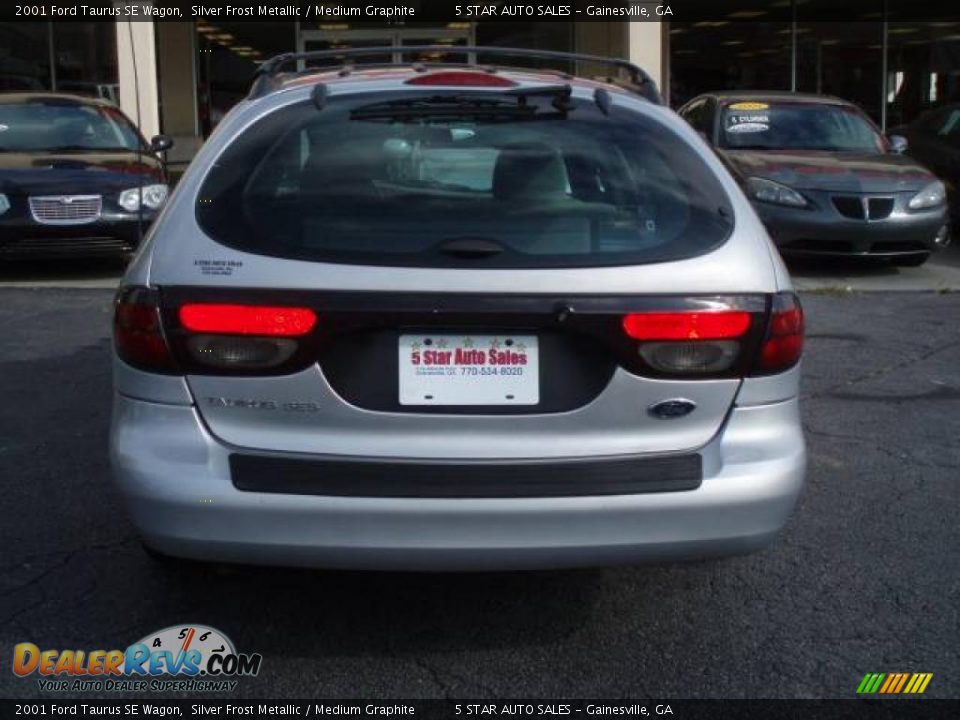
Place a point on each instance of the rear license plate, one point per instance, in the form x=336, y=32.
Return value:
x=469, y=370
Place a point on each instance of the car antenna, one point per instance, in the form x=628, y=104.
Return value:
x=136, y=91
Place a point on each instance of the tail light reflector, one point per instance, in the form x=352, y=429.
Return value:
x=709, y=356
x=247, y=320
x=137, y=332
x=783, y=344
x=239, y=352
x=693, y=325
x=461, y=78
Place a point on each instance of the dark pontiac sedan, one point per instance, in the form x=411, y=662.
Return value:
x=822, y=177
x=76, y=177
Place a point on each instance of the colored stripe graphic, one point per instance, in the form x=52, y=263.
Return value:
x=870, y=683
x=894, y=683
x=918, y=683
x=903, y=680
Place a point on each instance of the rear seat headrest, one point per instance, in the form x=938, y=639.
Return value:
x=529, y=170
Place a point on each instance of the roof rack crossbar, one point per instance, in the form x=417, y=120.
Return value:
x=637, y=80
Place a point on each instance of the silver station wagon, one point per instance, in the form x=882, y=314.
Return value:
x=456, y=316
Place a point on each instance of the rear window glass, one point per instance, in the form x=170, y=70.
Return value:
x=756, y=125
x=439, y=180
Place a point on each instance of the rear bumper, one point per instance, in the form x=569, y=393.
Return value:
x=177, y=483
x=822, y=231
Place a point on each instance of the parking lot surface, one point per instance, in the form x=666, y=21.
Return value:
x=866, y=578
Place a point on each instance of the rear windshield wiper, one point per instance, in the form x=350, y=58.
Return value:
x=433, y=107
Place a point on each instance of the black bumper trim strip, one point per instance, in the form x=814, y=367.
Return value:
x=366, y=477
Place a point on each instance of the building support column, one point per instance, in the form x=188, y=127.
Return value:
x=137, y=69
x=648, y=46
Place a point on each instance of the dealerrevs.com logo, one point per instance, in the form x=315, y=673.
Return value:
x=182, y=658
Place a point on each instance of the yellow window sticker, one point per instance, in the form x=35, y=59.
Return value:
x=749, y=106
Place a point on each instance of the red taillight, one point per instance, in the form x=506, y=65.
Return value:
x=784, y=341
x=692, y=325
x=248, y=320
x=459, y=78
x=137, y=333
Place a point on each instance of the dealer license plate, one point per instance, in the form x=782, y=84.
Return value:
x=469, y=370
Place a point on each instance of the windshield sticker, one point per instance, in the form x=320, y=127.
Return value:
x=749, y=106
x=748, y=127
x=748, y=123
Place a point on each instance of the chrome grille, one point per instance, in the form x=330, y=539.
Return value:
x=66, y=209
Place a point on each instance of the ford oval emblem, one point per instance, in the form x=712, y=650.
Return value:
x=666, y=409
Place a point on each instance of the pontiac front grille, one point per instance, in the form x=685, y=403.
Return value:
x=859, y=207
x=66, y=209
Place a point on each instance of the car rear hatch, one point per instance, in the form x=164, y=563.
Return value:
x=444, y=275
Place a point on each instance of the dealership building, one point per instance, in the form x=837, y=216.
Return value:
x=179, y=77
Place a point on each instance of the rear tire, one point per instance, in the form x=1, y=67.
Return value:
x=911, y=260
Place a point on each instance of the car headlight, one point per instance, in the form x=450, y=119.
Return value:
x=932, y=195
x=4, y=203
x=772, y=192
x=153, y=197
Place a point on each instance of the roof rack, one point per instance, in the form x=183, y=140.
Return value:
x=636, y=80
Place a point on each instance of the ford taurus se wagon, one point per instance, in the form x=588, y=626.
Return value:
x=456, y=317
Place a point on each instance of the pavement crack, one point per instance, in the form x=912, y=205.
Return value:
x=881, y=371
x=65, y=557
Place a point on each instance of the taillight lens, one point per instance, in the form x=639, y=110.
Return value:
x=247, y=320
x=693, y=325
x=461, y=78
x=783, y=343
x=137, y=332
x=256, y=338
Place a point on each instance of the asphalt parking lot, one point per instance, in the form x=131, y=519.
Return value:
x=865, y=579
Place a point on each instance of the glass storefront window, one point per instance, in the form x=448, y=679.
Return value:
x=727, y=55
x=24, y=56
x=843, y=59
x=923, y=69
x=228, y=54
x=864, y=51
x=86, y=59
x=70, y=57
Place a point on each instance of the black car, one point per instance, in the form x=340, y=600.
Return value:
x=934, y=139
x=76, y=177
x=822, y=177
